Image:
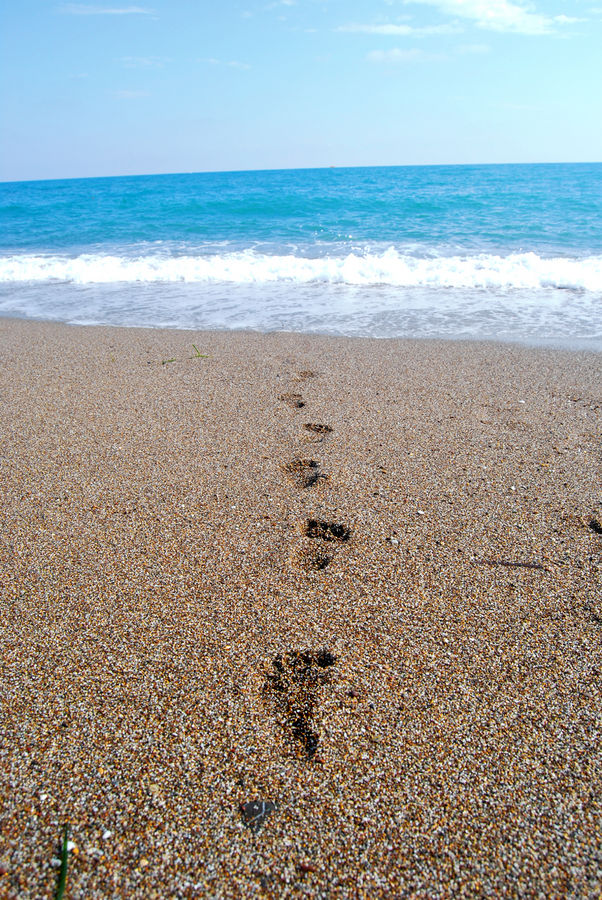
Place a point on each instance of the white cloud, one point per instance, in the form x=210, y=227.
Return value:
x=401, y=30
x=567, y=20
x=79, y=9
x=496, y=15
x=397, y=56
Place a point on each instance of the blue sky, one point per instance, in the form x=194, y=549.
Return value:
x=120, y=87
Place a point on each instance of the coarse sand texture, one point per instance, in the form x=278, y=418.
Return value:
x=295, y=616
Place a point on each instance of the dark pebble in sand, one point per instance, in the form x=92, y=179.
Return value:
x=255, y=812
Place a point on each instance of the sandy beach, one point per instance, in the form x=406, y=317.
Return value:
x=296, y=616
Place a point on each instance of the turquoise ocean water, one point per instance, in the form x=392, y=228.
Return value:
x=505, y=252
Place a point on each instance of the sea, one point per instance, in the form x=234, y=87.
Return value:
x=502, y=252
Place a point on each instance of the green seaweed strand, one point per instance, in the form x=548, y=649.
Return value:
x=60, y=890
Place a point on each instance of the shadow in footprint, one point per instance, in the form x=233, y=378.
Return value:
x=295, y=401
x=327, y=531
x=294, y=683
x=317, y=428
x=304, y=472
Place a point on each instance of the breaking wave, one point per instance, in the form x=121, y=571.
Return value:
x=391, y=267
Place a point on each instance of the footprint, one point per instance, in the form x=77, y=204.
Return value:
x=294, y=683
x=327, y=531
x=312, y=560
x=295, y=401
x=317, y=429
x=304, y=472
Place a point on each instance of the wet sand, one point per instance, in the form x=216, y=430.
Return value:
x=299, y=616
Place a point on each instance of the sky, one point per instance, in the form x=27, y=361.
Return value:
x=126, y=87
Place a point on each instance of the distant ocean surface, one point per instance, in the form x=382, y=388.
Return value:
x=505, y=252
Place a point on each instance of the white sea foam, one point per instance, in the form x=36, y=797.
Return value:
x=523, y=271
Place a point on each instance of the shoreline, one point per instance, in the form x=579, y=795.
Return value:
x=561, y=345
x=360, y=587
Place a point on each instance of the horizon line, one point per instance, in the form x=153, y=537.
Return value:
x=300, y=169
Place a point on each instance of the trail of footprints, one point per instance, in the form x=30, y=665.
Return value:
x=320, y=537
x=295, y=678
